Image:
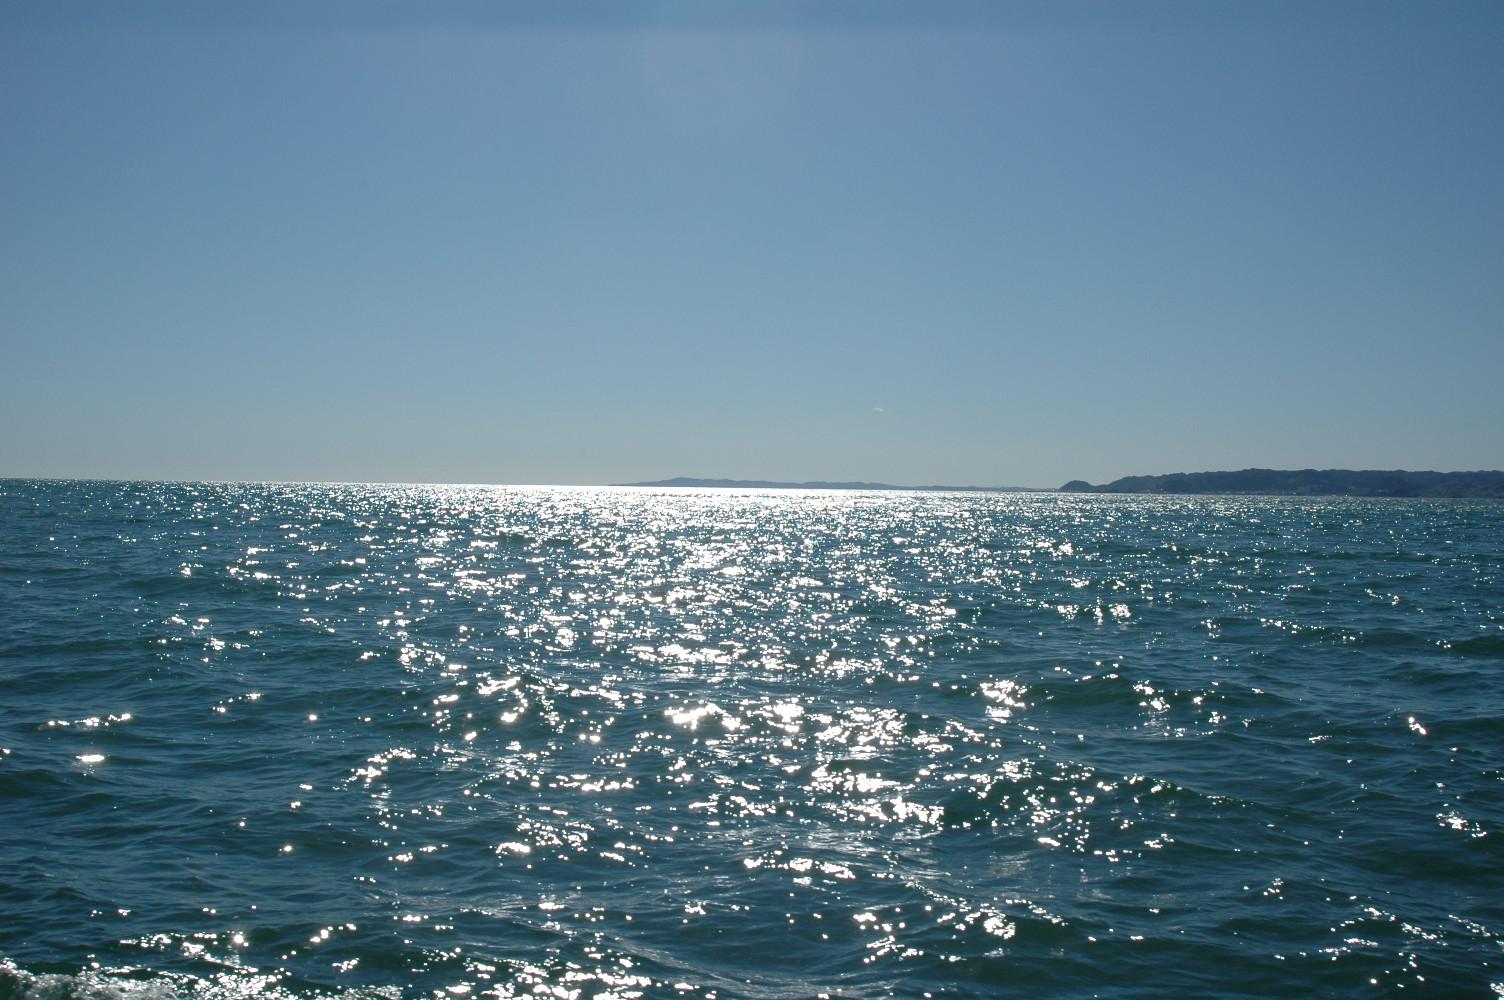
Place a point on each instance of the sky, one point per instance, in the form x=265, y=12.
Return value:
x=951, y=243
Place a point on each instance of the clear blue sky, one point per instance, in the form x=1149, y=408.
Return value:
x=947, y=243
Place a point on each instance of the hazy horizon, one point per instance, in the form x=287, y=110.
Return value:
x=964, y=243
x=695, y=482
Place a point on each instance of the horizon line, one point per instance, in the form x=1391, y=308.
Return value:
x=654, y=484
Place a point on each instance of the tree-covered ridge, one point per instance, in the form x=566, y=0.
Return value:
x=1309, y=482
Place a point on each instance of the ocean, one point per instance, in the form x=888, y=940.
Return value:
x=455, y=742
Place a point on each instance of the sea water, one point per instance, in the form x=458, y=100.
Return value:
x=310, y=740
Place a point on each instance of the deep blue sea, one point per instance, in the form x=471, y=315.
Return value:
x=455, y=742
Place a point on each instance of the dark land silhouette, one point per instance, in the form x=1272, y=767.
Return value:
x=1309, y=482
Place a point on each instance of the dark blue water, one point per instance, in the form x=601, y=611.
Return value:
x=455, y=742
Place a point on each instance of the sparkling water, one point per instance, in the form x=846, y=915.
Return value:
x=308, y=740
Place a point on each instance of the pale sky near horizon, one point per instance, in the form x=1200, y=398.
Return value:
x=968, y=243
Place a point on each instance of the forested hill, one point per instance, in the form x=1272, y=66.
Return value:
x=1309, y=482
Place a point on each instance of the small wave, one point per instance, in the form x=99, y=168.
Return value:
x=1480, y=645
x=131, y=983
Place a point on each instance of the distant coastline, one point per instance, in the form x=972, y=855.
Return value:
x=1310, y=482
x=1484, y=484
x=765, y=484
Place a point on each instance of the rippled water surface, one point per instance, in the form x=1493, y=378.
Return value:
x=462, y=742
